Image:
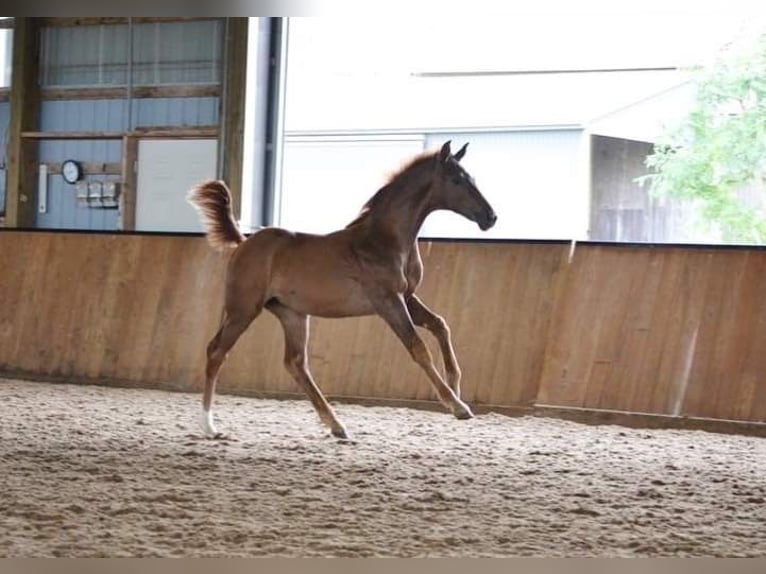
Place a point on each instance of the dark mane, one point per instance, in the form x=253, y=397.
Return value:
x=393, y=178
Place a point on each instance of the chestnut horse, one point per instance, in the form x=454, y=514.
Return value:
x=372, y=266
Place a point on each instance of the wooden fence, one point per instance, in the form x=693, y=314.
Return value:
x=676, y=331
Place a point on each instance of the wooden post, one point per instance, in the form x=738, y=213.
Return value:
x=21, y=182
x=233, y=108
x=129, y=183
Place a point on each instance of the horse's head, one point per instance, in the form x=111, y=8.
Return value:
x=456, y=190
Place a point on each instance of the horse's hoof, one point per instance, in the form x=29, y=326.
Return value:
x=206, y=423
x=341, y=433
x=463, y=413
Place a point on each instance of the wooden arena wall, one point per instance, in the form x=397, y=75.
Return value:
x=678, y=331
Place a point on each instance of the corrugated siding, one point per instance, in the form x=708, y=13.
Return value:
x=86, y=115
x=163, y=53
x=111, y=115
x=176, y=112
x=63, y=211
x=103, y=115
x=177, y=53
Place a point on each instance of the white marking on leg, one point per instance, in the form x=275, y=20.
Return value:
x=206, y=422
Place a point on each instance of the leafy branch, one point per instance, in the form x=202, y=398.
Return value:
x=719, y=149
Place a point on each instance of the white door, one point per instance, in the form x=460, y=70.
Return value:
x=167, y=170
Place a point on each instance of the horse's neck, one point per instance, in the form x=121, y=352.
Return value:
x=404, y=209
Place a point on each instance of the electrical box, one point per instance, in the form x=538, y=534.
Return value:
x=98, y=194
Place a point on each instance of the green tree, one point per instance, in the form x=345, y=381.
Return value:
x=720, y=147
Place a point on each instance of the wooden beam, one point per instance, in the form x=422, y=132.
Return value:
x=89, y=168
x=138, y=92
x=21, y=184
x=34, y=135
x=177, y=132
x=644, y=420
x=148, y=132
x=233, y=108
x=129, y=183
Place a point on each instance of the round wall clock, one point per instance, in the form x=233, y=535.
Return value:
x=71, y=171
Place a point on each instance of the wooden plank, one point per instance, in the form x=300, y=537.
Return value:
x=138, y=92
x=233, y=107
x=74, y=316
x=129, y=183
x=119, y=307
x=705, y=374
x=671, y=327
x=648, y=420
x=27, y=353
x=566, y=365
x=89, y=168
x=104, y=345
x=148, y=132
x=21, y=185
x=751, y=399
x=14, y=254
x=637, y=371
x=732, y=341
x=100, y=135
x=725, y=379
x=611, y=317
x=176, y=132
x=743, y=362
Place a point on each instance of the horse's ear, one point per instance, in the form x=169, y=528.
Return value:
x=445, y=152
x=461, y=152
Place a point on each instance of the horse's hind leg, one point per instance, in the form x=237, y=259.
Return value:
x=296, y=328
x=235, y=322
x=422, y=316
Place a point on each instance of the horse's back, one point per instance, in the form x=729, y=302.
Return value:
x=313, y=274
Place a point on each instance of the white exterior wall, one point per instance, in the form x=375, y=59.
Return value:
x=535, y=180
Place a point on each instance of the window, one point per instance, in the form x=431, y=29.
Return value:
x=531, y=93
x=6, y=54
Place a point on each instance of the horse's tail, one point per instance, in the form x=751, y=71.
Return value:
x=212, y=199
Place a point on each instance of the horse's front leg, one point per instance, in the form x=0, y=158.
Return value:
x=422, y=316
x=393, y=309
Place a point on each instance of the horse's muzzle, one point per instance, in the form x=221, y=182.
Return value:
x=487, y=220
